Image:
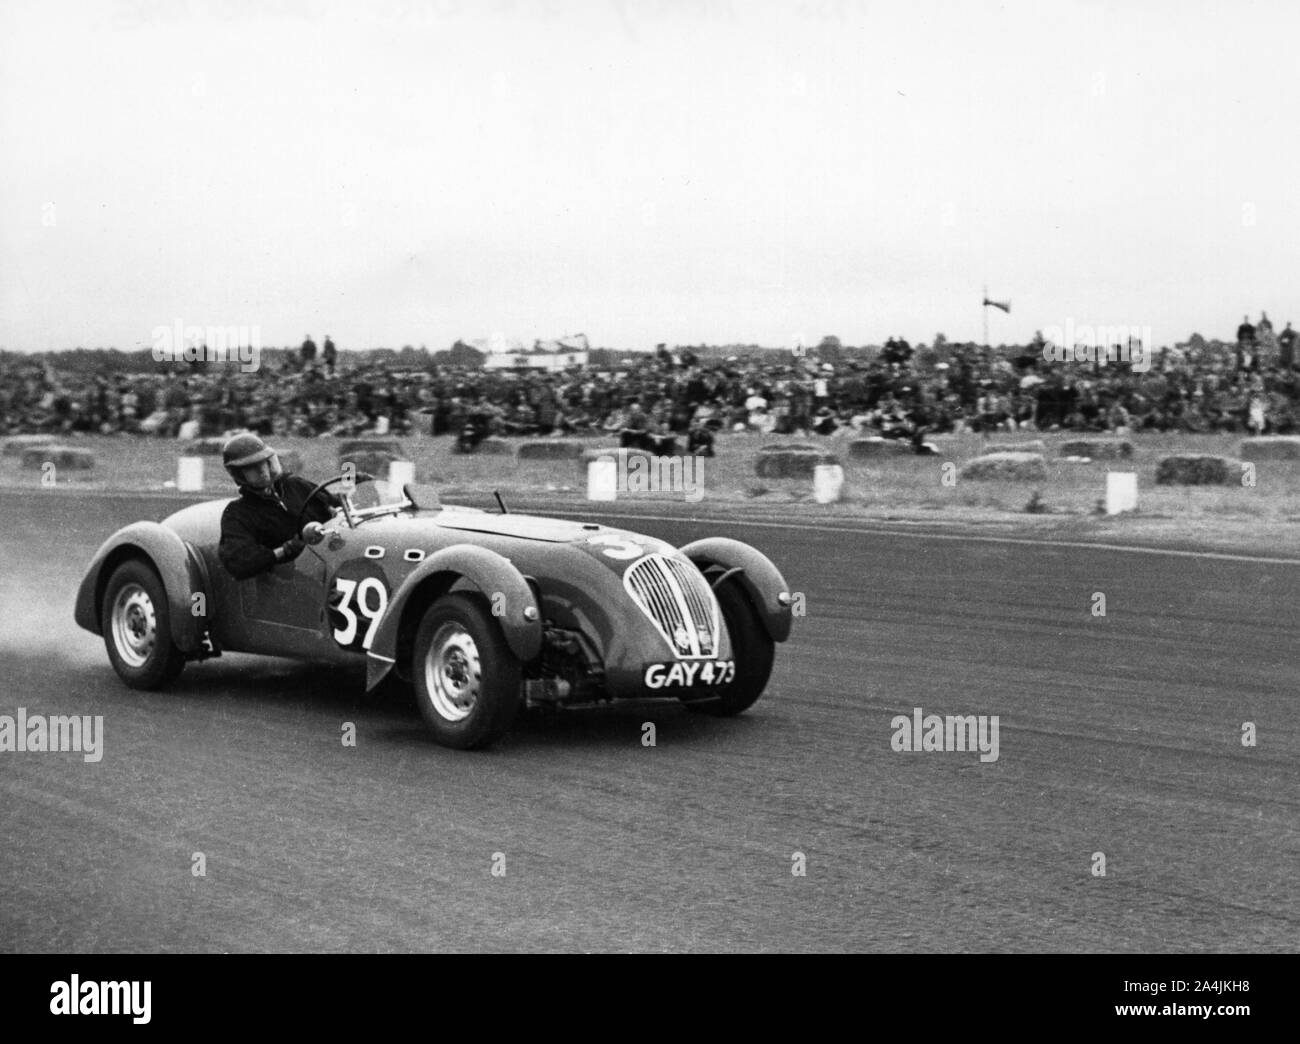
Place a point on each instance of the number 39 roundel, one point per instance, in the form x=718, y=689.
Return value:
x=358, y=600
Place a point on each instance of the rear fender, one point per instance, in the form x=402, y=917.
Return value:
x=513, y=603
x=167, y=553
x=762, y=581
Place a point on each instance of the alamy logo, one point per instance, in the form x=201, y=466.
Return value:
x=219, y=344
x=1099, y=344
x=952, y=733
x=101, y=998
x=642, y=473
x=56, y=734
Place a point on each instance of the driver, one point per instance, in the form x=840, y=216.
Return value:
x=259, y=529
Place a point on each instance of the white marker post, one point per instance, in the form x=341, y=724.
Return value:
x=401, y=473
x=602, y=479
x=1121, y=491
x=828, y=483
x=189, y=474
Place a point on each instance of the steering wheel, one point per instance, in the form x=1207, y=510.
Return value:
x=359, y=476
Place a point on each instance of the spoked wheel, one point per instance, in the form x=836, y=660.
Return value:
x=137, y=629
x=467, y=681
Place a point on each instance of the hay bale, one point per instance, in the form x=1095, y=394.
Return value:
x=210, y=446
x=783, y=447
x=1097, y=449
x=1197, y=469
x=1015, y=467
x=550, y=449
x=1029, y=446
x=491, y=445
x=371, y=445
x=792, y=463
x=1271, y=447
x=614, y=452
x=876, y=446
x=36, y=457
x=15, y=446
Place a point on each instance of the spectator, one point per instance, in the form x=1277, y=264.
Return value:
x=699, y=440
x=1286, y=348
x=636, y=429
x=1245, y=343
x=1204, y=386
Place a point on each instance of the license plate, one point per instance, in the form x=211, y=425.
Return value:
x=685, y=673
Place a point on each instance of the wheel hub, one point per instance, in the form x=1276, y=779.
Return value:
x=134, y=625
x=453, y=672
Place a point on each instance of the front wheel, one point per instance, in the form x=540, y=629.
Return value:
x=467, y=680
x=137, y=628
x=753, y=650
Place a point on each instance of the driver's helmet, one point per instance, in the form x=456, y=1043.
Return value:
x=247, y=449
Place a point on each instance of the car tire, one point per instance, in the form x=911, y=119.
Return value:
x=136, y=624
x=752, y=649
x=466, y=678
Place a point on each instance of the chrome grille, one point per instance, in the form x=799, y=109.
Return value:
x=678, y=601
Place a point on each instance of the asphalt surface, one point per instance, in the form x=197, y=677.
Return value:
x=1119, y=735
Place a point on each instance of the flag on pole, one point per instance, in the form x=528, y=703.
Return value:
x=1004, y=305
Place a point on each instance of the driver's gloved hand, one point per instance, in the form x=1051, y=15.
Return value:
x=289, y=550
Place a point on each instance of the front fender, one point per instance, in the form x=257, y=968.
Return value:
x=166, y=552
x=762, y=580
x=513, y=602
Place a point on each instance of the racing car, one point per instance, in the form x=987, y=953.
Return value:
x=480, y=612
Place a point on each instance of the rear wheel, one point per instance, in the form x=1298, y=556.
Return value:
x=466, y=679
x=752, y=648
x=136, y=625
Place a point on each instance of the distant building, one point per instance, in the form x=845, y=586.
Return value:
x=541, y=362
x=545, y=356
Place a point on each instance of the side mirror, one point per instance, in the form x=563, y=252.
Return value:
x=313, y=533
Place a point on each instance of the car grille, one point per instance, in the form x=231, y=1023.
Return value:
x=678, y=601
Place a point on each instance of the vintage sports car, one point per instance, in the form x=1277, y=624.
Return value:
x=481, y=612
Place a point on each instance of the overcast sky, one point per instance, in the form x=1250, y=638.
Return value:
x=418, y=171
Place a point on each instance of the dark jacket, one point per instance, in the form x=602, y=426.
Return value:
x=253, y=526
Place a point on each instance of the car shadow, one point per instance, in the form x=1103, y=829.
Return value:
x=391, y=714
x=618, y=723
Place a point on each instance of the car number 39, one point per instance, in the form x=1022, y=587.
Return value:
x=689, y=672
x=371, y=601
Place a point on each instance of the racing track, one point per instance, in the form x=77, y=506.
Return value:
x=1118, y=735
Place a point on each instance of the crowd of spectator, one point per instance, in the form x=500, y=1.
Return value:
x=1246, y=385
